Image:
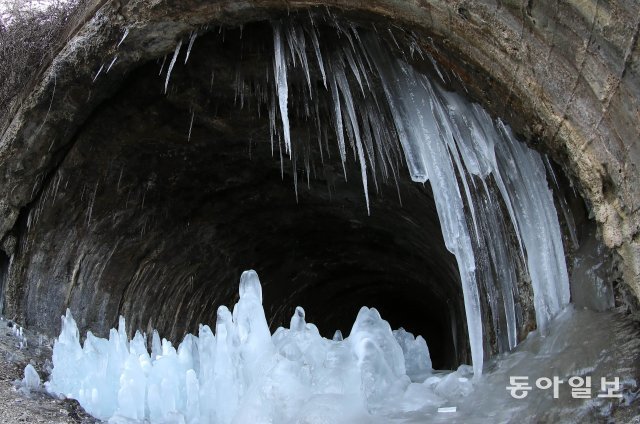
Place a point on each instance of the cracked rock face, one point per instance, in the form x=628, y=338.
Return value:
x=103, y=172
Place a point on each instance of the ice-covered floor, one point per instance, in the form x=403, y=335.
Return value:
x=243, y=374
x=580, y=343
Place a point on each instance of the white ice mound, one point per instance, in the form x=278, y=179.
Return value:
x=243, y=374
x=30, y=382
x=417, y=361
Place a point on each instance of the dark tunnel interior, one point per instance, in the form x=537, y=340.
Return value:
x=164, y=200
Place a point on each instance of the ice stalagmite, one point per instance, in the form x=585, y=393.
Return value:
x=31, y=380
x=243, y=374
x=416, y=354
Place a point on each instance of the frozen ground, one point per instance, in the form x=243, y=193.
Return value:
x=36, y=407
x=581, y=343
x=594, y=343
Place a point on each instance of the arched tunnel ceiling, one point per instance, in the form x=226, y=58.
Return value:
x=564, y=74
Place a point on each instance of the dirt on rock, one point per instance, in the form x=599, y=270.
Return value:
x=18, y=405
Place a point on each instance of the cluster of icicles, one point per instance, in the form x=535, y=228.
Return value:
x=474, y=164
x=243, y=374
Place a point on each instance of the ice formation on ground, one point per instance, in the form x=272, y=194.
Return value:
x=244, y=374
x=579, y=343
x=30, y=382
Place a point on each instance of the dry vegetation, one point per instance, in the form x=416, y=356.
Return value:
x=29, y=35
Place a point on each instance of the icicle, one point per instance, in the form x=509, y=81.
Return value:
x=368, y=144
x=171, y=64
x=192, y=39
x=354, y=68
x=272, y=121
x=193, y=113
x=319, y=131
x=394, y=39
x=91, y=202
x=298, y=42
x=111, y=64
x=428, y=158
x=294, y=167
x=164, y=59
x=538, y=222
x=316, y=48
x=346, y=93
x=337, y=116
x=436, y=67
x=126, y=32
x=280, y=72
x=307, y=168
x=98, y=73
x=281, y=159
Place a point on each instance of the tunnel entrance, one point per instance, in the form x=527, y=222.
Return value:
x=175, y=185
x=178, y=182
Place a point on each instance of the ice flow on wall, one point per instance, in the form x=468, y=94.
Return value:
x=473, y=163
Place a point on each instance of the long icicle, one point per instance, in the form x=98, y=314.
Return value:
x=280, y=71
